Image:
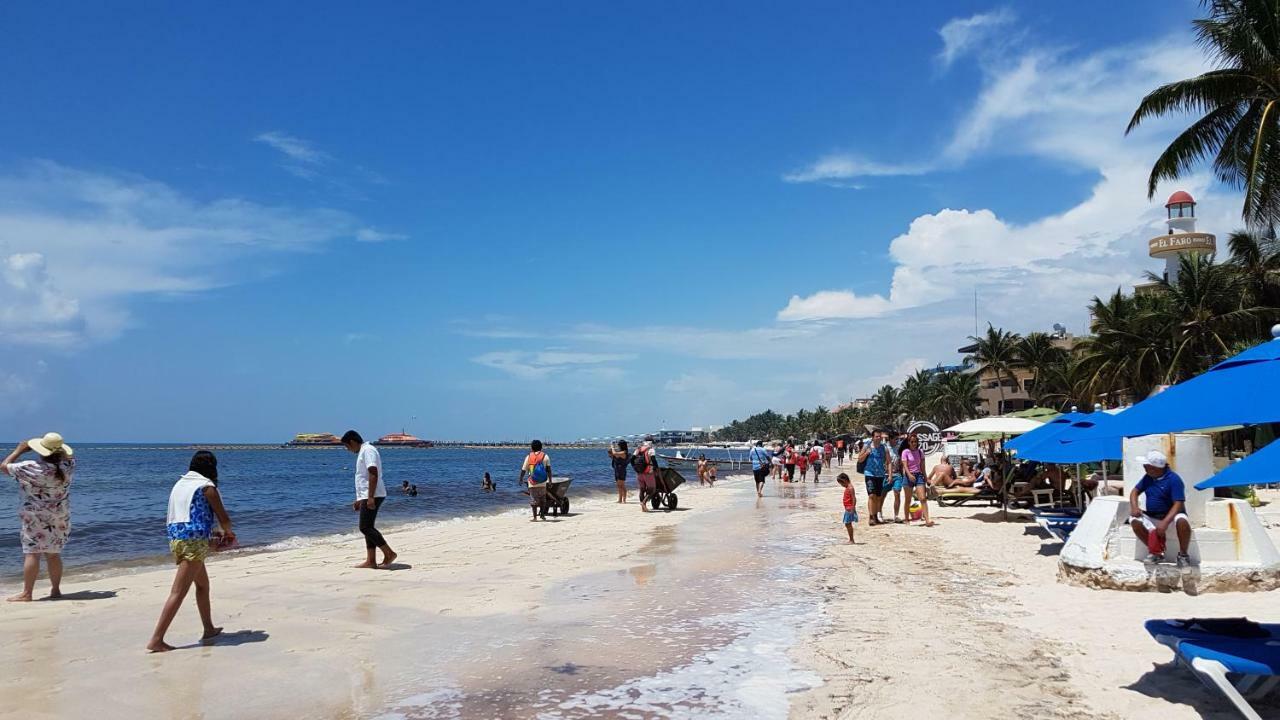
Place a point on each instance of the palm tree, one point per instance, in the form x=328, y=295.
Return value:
x=1210, y=309
x=956, y=398
x=1257, y=258
x=886, y=405
x=916, y=392
x=1037, y=353
x=1131, y=346
x=995, y=353
x=1237, y=104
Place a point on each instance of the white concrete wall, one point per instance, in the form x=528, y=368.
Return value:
x=1190, y=455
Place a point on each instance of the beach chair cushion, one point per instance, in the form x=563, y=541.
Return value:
x=1241, y=646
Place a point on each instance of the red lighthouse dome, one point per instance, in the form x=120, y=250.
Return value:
x=1180, y=197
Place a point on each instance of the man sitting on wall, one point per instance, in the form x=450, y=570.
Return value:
x=1166, y=504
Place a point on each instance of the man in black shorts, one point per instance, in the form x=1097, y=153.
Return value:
x=876, y=457
x=761, y=463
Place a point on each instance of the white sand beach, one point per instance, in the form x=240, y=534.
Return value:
x=733, y=607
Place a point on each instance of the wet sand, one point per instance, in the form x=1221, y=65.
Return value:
x=607, y=613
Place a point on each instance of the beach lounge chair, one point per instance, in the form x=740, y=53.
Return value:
x=951, y=498
x=1221, y=648
x=1058, y=523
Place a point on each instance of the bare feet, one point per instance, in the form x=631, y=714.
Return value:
x=55, y=595
x=388, y=558
x=365, y=564
x=20, y=597
x=928, y=524
x=210, y=633
x=159, y=646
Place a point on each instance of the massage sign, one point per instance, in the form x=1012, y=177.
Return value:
x=931, y=438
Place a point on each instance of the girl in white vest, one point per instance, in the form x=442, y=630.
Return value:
x=194, y=503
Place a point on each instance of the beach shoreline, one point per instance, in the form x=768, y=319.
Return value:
x=499, y=616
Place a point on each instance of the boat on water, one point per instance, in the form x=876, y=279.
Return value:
x=402, y=439
x=679, y=460
x=314, y=439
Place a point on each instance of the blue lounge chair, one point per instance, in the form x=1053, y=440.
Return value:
x=1057, y=522
x=1216, y=648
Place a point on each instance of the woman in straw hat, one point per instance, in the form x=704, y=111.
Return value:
x=45, y=511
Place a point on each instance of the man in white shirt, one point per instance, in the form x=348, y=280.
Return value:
x=371, y=491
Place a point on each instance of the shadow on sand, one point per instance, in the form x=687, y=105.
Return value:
x=1175, y=684
x=232, y=639
x=86, y=595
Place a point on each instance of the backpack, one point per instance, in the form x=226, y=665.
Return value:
x=814, y=456
x=538, y=469
x=640, y=461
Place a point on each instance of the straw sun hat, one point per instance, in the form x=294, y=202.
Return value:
x=50, y=444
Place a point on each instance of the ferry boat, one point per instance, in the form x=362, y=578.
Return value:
x=311, y=439
x=402, y=439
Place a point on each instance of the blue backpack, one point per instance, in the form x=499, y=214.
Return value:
x=538, y=472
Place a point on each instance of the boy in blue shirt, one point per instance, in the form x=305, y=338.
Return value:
x=1166, y=504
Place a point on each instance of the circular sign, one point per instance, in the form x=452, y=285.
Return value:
x=931, y=438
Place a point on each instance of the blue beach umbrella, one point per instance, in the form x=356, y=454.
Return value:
x=1084, y=441
x=1244, y=390
x=1261, y=467
x=1044, y=433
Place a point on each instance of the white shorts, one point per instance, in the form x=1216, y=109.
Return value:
x=1150, y=524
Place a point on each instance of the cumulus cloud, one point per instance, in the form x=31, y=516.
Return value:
x=528, y=365
x=961, y=36
x=1069, y=109
x=78, y=247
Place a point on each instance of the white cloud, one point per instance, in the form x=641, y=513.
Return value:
x=540, y=365
x=294, y=148
x=833, y=304
x=964, y=35
x=839, y=166
x=1069, y=110
x=77, y=247
x=371, y=235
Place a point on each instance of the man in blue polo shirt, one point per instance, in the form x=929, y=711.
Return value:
x=761, y=464
x=1166, y=502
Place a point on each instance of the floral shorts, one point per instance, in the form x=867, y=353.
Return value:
x=191, y=550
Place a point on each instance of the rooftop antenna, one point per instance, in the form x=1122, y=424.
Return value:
x=975, y=310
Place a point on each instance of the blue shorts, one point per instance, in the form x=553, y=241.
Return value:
x=916, y=479
x=850, y=516
x=896, y=485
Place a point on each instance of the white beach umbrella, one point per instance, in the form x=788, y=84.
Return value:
x=1002, y=425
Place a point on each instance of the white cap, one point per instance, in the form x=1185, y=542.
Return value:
x=1155, y=458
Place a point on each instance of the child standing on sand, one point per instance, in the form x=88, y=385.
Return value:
x=850, y=505
x=194, y=503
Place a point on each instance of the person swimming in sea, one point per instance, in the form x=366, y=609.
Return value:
x=486, y=485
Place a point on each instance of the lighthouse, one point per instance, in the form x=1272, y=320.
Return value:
x=1182, y=238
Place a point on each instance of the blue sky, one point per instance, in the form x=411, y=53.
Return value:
x=235, y=221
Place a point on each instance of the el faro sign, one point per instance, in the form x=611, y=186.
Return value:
x=1176, y=243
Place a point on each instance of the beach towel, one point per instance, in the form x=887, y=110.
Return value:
x=180, y=496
